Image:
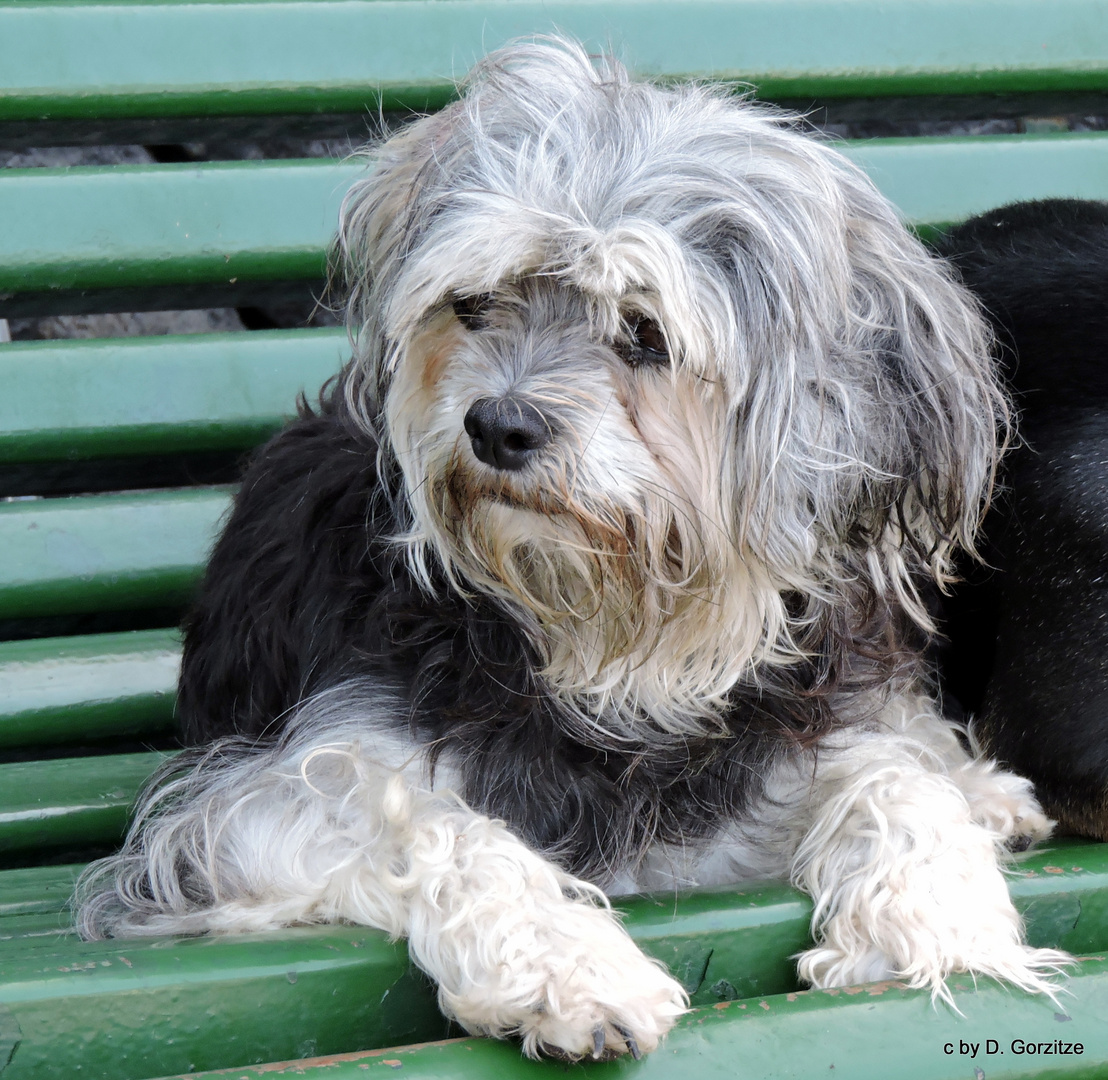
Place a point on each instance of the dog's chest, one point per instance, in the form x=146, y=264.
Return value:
x=602, y=813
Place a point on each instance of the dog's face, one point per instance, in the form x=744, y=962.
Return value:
x=560, y=452
x=663, y=374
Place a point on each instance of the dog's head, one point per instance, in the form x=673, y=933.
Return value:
x=662, y=373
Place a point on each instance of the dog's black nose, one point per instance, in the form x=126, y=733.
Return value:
x=506, y=432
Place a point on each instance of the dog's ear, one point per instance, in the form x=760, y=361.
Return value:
x=920, y=407
x=869, y=433
x=382, y=218
x=938, y=416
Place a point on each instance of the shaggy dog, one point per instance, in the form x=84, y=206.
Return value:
x=600, y=568
x=1030, y=632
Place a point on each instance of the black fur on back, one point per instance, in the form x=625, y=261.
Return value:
x=304, y=590
x=1030, y=638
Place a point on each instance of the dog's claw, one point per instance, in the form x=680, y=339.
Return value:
x=628, y=1038
x=598, y=1038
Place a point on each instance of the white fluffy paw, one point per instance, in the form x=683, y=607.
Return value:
x=926, y=914
x=604, y=1006
x=574, y=987
x=912, y=887
x=1005, y=804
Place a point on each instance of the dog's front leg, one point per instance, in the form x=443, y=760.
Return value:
x=324, y=829
x=516, y=945
x=903, y=852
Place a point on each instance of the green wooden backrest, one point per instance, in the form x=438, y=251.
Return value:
x=85, y=716
x=150, y=62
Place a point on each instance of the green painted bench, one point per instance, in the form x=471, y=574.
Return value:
x=102, y=538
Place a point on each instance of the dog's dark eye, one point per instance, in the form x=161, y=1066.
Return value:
x=472, y=311
x=645, y=345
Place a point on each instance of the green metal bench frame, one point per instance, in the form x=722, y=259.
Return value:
x=84, y=717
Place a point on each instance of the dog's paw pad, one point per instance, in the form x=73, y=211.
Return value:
x=1028, y=825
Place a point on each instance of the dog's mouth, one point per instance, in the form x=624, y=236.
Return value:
x=621, y=570
x=464, y=488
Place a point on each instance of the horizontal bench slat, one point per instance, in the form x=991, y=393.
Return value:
x=722, y=944
x=1061, y=891
x=250, y=998
x=70, y=801
x=56, y=690
x=149, y=226
x=940, y=181
x=865, y=1033
x=123, y=1010
x=37, y=890
x=80, y=399
x=24, y=928
x=151, y=59
x=105, y=552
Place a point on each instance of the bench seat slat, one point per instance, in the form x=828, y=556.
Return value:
x=226, y=223
x=37, y=890
x=24, y=928
x=106, y=552
x=70, y=802
x=123, y=1010
x=248, y=998
x=867, y=1033
x=98, y=60
x=280, y=990
x=56, y=690
x=82, y=399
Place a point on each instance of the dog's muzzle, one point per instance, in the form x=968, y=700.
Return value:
x=506, y=433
